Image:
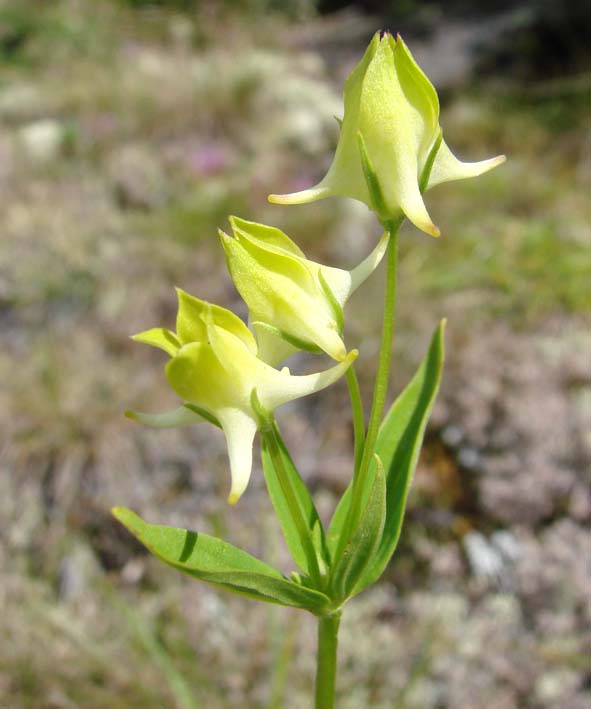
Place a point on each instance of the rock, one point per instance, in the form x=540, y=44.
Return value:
x=484, y=560
x=77, y=571
x=515, y=416
x=138, y=180
x=42, y=140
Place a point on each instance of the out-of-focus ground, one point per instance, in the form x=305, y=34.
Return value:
x=129, y=131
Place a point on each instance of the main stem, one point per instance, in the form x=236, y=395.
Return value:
x=381, y=382
x=328, y=626
x=328, y=629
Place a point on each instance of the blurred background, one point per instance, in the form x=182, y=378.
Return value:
x=129, y=130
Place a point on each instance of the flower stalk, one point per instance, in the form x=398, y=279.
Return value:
x=380, y=386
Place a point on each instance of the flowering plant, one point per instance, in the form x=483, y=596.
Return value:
x=390, y=151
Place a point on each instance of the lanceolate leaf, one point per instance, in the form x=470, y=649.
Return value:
x=398, y=446
x=217, y=562
x=359, y=551
x=282, y=504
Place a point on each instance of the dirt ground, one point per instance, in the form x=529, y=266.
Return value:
x=127, y=137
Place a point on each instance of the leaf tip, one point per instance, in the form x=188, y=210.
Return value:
x=119, y=513
x=128, y=518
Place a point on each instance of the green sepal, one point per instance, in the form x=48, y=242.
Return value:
x=182, y=416
x=337, y=308
x=398, y=446
x=282, y=507
x=426, y=174
x=376, y=196
x=290, y=339
x=265, y=418
x=360, y=549
x=203, y=413
x=219, y=563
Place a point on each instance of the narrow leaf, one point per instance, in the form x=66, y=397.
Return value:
x=360, y=549
x=217, y=562
x=283, y=510
x=398, y=445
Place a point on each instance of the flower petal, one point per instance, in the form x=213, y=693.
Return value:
x=281, y=290
x=198, y=377
x=159, y=337
x=275, y=388
x=191, y=328
x=413, y=206
x=239, y=428
x=344, y=283
x=447, y=167
x=312, y=194
x=269, y=235
x=344, y=177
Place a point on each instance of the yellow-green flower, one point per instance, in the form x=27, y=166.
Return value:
x=294, y=303
x=391, y=128
x=215, y=369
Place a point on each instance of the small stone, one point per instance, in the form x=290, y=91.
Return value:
x=507, y=545
x=42, y=140
x=485, y=561
x=452, y=435
x=138, y=179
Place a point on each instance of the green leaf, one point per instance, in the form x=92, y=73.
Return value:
x=398, y=446
x=217, y=562
x=282, y=505
x=362, y=546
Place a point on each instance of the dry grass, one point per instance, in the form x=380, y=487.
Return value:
x=157, y=132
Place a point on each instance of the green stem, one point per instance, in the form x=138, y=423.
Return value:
x=358, y=418
x=271, y=438
x=380, y=386
x=326, y=669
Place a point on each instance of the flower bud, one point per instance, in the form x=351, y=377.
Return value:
x=294, y=303
x=390, y=148
x=214, y=367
